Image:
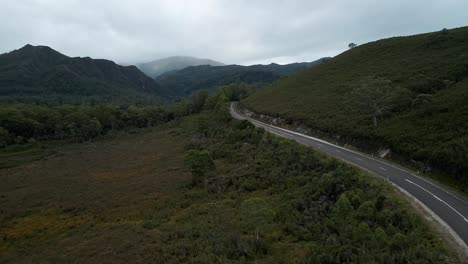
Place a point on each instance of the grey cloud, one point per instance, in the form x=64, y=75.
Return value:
x=255, y=31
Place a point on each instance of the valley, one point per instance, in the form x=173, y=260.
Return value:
x=328, y=152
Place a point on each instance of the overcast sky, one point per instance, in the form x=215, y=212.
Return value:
x=230, y=31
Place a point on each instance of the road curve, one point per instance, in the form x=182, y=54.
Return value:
x=448, y=208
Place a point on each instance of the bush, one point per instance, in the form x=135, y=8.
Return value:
x=199, y=163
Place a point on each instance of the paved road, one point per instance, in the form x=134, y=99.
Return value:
x=450, y=209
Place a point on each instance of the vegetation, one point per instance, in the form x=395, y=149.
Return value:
x=429, y=125
x=26, y=130
x=257, y=199
x=27, y=123
x=352, y=45
x=22, y=123
x=39, y=74
x=191, y=79
x=199, y=162
x=376, y=97
x=185, y=183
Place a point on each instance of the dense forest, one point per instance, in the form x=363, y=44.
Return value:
x=23, y=123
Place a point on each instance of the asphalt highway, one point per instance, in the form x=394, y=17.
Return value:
x=448, y=208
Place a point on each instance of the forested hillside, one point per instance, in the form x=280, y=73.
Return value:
x=205, y=77
x=408, y=94
x=41, y=72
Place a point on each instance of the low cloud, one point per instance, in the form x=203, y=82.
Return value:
x=242, y=32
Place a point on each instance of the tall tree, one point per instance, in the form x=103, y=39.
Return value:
x=376, y=96
x=352, y=45
x=199, y=162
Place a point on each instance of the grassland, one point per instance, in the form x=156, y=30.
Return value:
x=428, y=125
x=91, y=202
x=268, y=200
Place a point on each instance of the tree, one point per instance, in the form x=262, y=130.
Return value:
x=461, y=71
x=342, y=211
x=5, y=137
x=422, y=100
x=136, y=116
x=235, y=92
x=199, y=162
x=197, y=101
x=376, y=96
x=255, y=213
x=352, y=45
x=91, y=128
x=17, y=124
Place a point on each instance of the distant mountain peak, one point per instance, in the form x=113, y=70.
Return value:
x=37, y=48
x=205, y=77
x=173, y=63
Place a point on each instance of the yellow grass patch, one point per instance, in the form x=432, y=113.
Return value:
x=105, y=176
x=40, y=226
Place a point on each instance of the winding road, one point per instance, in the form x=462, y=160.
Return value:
x=445, y=206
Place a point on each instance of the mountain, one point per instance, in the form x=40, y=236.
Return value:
x=43, y=72
x=158, y=67
x=205, y=77
x=428, y=124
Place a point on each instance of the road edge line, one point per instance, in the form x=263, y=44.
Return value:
x=457, y=239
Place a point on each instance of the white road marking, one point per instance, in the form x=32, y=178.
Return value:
x=460, y=198
x=442, y=201
x=337, y=151
x=352, y=151
x=384, y=169
x=358, y=158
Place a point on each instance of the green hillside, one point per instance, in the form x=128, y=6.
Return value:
x=427, y=77
x=39, y=71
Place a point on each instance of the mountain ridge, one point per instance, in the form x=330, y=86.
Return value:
x=206, y=77
x=41, y=70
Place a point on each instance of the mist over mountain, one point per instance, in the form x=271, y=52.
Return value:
x=43, y=73
x=157, y=67
x=205, y=77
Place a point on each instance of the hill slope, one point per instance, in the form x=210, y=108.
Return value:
x=191, y=79
x=158, y=67
x=42, y=71
x=429, y=121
